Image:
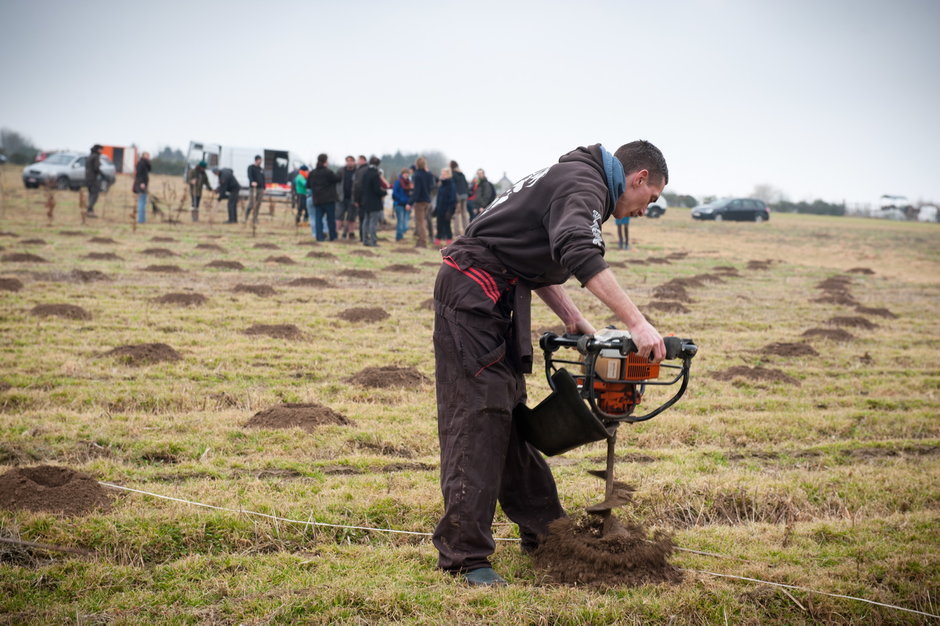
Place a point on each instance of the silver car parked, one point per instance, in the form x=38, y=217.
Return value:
x=65, y=170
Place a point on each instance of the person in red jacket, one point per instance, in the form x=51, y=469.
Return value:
x=535, y=236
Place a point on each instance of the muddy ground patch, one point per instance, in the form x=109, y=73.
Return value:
x=759, y=374
x=306, y=416
x=53, y=489
x=792, y=349
x=835, y=334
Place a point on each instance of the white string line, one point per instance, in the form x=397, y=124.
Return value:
x=426, y=534
x=799, y=588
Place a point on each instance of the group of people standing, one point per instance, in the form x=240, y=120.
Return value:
x=334, y=201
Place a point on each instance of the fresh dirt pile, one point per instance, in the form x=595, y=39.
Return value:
x=835, y=283
x=406, y=251
x=402, y=268
x=668, y=306
x=210, y=246
x=363, y=274
x=71, y=233
x=687, y=282
x=788, y=349
x=726, y=270
x=68, y=311
x=106, y=240
x=263, y=291
x=48, y=488
x=879, y=311
x=266, y=246
x=364, y=314
x=10, y=284
x=655, y=260
x=676, y=256
x=284, y=260
x=836, y=334
x=6, y=233
x=362, y=252
x=388, y=376
x=278, y=331
x=756, y=373
x=162, y=239
x=164, y=269
x=431, y=263
x=22, y=257
x=226, y=265
x=842, y=298
x=427, y=304
x=319, y=254
x=102, y=256
x=87, y=276
x=852, y=322
x=144, y=353
x=574, y=552
x=182, y=299
x=759, y=265
x=34, y=242
x=671, y=292
x=297, y=415
x=311, y=281
x=861, y=270
x=160, y=253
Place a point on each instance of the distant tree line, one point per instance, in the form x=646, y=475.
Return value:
x=16, y=147
x=816, y=207
x=170, y=161
x=392, y=164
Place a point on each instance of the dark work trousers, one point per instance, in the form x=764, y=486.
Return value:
x=94, y=188
x=233, y=207
x=483, y=457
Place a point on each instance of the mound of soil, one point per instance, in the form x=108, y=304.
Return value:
x=388, y=376
x=879, y=311
x=165, y=269
x=319, y=254
x=284, y=260
x=756, y=373
x=226, y=265
x=144, y=353
x=266, y=246
x=297, y=415
x=210, y=246
x=34, y=242
x=160, y=253
x=364, y=314
x=52, y=489
x=162, y=240
x=362, y=252
x=278, y=331
x=574, y=552
x=836, y=334
x=725, y=269
x=427, y=304
x=835, y=283
x=87, y=276
x=861, y=270
x=401, y=268
x=6, y=233
x=71, y=233
x=22, y=257
x=106, y=240
x=259, y=290
x=671, y=292
x=620, y=264
x=668, y=306
x=182, y=299
x=10, y=284
x=68, y=311
x=311, y=281
x=655, y=260
x=759, y=265
x=102, y=256
x=843, y=298
x=675, y=256
x=363, y=274
x=406, y=251
x=710, y=278
x=686, y=283
x=789, y=349
x=852, y=322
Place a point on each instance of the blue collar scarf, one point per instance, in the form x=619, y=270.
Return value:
x=616, y=179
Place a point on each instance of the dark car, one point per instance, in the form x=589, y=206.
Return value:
x=740, y=209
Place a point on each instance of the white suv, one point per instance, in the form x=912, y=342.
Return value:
x=65, y=170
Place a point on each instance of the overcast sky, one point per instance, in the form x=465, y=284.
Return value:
x=835, y=99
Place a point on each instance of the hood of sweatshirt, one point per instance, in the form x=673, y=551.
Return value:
x=591, y=155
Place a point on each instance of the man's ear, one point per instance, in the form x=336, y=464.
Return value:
x=639, y=177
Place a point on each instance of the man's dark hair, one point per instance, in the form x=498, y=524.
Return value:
x=350, y=157
x=374, y=160
x=362, y=156
x=321, y=159
x=453, y=165
x=257, y=156
x=642, y=155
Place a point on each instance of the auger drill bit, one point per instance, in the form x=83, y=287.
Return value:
x=616, y=493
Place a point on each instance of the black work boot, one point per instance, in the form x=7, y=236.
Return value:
x=484, y=577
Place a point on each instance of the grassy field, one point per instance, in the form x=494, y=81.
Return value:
x=824, y=475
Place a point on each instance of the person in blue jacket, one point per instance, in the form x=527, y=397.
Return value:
x=401, y=200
